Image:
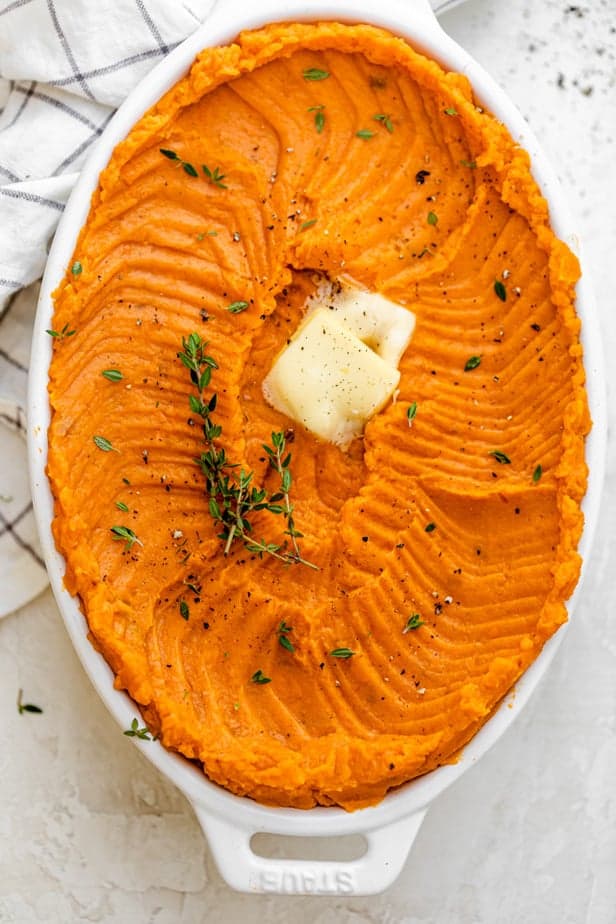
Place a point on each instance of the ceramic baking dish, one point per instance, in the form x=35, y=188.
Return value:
x=229, y=821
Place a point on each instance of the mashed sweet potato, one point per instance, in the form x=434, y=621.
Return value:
x=332, y=150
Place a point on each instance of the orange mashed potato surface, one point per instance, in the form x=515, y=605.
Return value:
x=470, y=517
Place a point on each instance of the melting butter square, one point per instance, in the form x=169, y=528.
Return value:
x=328, y=380
x=381, y=324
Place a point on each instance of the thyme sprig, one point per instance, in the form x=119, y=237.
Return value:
x=186, y=166
x=135, y=732
x=283, y=639
x=125, y=534
x=61, y=334
x=232, y=495
x=215, y=177
x=26, y=707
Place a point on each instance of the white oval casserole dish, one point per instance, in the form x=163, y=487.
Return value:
x=228, y=820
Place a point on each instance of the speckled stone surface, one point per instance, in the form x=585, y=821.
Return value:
x=89, y=831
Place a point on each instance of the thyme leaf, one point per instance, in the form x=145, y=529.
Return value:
x=237, y=307
x=283, y=640
x=135, y=732
x=184, y=164
x=113, y=375
x=411, y=413
x=104, y=444
x=319, y=117
x=259, y=677
x=500, y=290
x=76, y=268
x=500, y=457
x=365, y=134
x=432, y=218
x=385, y=121
x=343, y=653
x=537, y=474
x=26, y=707
x=471, y=363
x=125, y=534
x=61, y=334
x=413, y=622
x=315, y=73
x=215, y=177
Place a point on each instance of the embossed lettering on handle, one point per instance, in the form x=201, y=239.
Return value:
x=246, y=871
x=306, y=880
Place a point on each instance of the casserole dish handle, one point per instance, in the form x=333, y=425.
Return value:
x=247, y=871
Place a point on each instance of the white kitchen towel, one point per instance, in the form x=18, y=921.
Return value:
x=64, y=67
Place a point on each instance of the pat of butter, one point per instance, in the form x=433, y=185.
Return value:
x=327, y=379
x=381, y=324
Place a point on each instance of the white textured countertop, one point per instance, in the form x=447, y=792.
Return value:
x=89, y=831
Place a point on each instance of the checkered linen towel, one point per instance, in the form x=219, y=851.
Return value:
x=64, y=67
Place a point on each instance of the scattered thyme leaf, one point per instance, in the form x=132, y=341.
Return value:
x=61, y=334
x=215, y=177
x=430, y=527
x=125, y=534
x=103, y=443
x=411, y=413
x=135, y=732
x=385, y=120
x=113, y=375
x=237, y=307
x=500, y=290
x=259, y=677
x=319, y=117
x=27, y=707
x=500, y=457
x=184, y=164
x=184, y=610
x=432, y=218
x=315, y=73
x=413, y=622
x=76, y=268
x=283, y=631
x=451, y=111
x=471, y=363
x=307, y=224
x=122, y=506
x=365, y=134
x=342, y=653
x=537, y=474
